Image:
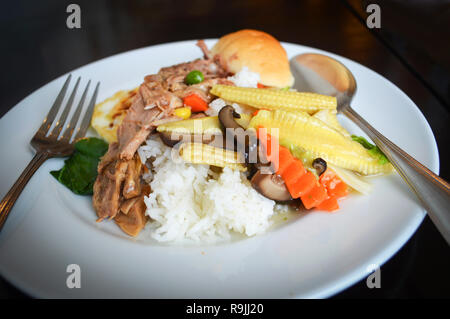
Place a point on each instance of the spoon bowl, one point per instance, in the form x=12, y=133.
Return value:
x=322, y=74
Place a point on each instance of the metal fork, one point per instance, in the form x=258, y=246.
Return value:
x=59, y=142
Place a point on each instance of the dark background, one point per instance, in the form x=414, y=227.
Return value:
x=412, y=50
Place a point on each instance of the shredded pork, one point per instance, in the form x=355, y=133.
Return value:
x=119, y=188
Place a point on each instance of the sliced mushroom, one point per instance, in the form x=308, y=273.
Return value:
x=230, y=127
x=226, y=117
x=320, y=165
x=271, y=186
x=168, y=138
x=243, y=141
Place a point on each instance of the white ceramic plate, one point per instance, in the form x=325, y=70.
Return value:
x=316, y=255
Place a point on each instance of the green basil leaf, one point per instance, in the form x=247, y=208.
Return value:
x=80, y=170
x=93, y=147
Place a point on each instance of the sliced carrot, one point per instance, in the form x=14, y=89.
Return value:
x=302, y=185
x=285, y=158
x=315, y=196
x=339, y=189
x=273, y=149
x=261, y=86
x=293, y=171
x=269, y=144
x=335, y=186
x=195, y=102
x=330, y=204
x=327, y=176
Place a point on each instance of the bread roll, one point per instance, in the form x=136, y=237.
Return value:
x=258, y=51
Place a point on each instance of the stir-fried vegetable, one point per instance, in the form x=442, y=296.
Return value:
x=301, y=183
x=183, y=112
x=329, y=117
x=195, y=102
x=199, y=153
x=372, y=149
x=194, y=77
x=334, y=184
x=207, y=124
x=80, y=170
x=330, y=204
x=312, y=135
x=316, y=196
x=275, y=99
x=356, y=182
x=336, y=188
x=285, y=158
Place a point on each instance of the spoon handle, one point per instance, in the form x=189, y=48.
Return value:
x=433, y=191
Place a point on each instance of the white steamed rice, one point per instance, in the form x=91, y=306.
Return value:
x=244, y=78
x=190, y=201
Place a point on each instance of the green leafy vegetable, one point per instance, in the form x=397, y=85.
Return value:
x=80, y=170
x=372, y=149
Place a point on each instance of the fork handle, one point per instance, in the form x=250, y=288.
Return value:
x=433, y=191
x=10, y=198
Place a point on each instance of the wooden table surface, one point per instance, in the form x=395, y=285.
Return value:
x=411, y=49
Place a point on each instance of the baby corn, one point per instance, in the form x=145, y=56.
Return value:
x=276, y=99
x=199, y=153
x=209, y=124
x=330, y=118
x=318, y=139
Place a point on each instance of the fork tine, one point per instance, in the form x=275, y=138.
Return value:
x=47, y=123
x=75, y=116
x=62, y=119
x=88, y=115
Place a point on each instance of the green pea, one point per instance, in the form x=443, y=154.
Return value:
x=194, y=77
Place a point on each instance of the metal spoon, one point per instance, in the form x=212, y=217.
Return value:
x=322, y=74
